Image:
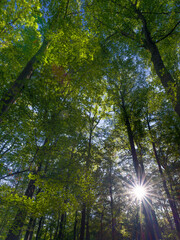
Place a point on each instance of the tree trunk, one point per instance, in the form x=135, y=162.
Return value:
x=136, y=231
x=39, y=228
x=131, y=140
x=101, y=232
x=75, y=227
x=167, y=216
x=170, y=200
x=112, y=206
x=173, y=186
x=169, y=84
x=30, y=229
x=61, y=227
x=45, y=232
x=18, y=223
x=87, y=224
x=150, y=217
x=57, y=228
x=12, y=94
x=83, y=222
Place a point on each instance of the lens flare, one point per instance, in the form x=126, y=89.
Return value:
x=139, y=192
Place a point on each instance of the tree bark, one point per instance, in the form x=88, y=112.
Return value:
x=41, y=220
x=152, y=225
x=101, y=231
x=112, y=205
x=45, y=232
x=87, y=224
x=12, y=94
x=136, y=231
x=173, y=185
x=171, y=87
x=131, y=140
x=30, y=229
x=75, y=227
x=83, y=222
x=18, y=223
x=167, y=216
x=61, y=227
x=57, y=227
x=170, y=200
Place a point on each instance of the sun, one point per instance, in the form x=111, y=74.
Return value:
x=139, y=192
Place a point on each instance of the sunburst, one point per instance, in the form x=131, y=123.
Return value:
x=139, y=192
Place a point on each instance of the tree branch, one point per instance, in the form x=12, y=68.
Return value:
x=117, y=31
x=159, y=13
x=168, y=34
x=12, y=174
x=66, y=8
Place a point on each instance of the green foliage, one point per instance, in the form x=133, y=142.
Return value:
x=66, y=131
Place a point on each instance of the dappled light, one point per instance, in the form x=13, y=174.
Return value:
x=89, y=120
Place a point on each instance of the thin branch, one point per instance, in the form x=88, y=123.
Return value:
x=111, y=36
x=2, y=154
x=66, y=8
x=128, y=35
x=121, y=32
x=159, y=13
x=15, y=173
x=168, y=34
x=12, y=22
x=96, y=124
x=4, y=145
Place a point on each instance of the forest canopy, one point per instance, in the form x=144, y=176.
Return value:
x=89, y=119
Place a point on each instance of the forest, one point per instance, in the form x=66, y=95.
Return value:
x=89, y=119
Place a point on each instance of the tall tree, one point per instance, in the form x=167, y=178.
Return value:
x=136, y=25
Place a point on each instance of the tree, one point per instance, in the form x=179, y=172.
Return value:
x=84, y=120
x=137, y=25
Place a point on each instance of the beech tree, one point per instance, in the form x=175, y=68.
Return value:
x=146, y=26
x=89, y=139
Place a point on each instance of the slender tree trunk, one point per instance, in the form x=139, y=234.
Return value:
x=168, y=217
x=173, y=186
x=31, y=224
x=45, y=232
x=153, y=231
x=18, y=223
x=15, y=230
x=50, y=232
x=170, y=199
x=61, y=227
x=57, y=227
x=83, y=222
x=88, y=161
x=87, y=224
x=112, y=205
x=75, y=227
x=30, y=229
x=136, y=230
x=131, y=141
x=171, y=87
x=101, y=231
x=12, y=94
x=150, y=217
x=41, y=222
